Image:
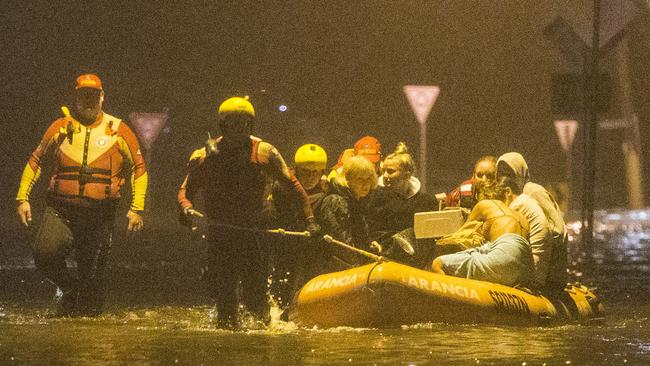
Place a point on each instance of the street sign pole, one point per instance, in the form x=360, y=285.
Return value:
x=586, y=57
x=147, y=127
x=566, y=132
x=590, y=137
x=422, y=98
x=423, y=155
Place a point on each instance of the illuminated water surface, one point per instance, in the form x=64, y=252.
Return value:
x=157, y=314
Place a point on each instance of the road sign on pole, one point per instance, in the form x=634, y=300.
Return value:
x=148, y=126
x=422, y=98
x=566, y=132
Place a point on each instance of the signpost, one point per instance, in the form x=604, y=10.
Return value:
x=608, y=27
x=147, y=126
x=422, y=98
x=566, y=133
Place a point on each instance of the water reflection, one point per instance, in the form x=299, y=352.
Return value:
x=183, y=335
x=621, y=237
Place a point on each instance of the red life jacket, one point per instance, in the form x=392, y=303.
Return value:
x=461, y=196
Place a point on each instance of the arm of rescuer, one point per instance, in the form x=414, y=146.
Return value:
x=188, y=188
x=53, y=136
x=277, y=168
x=130, y=150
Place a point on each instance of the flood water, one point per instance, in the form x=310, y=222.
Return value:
x=157, y=313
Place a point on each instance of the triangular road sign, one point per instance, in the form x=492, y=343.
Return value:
x=566, y=132
x=148, y=126
x=421, y=98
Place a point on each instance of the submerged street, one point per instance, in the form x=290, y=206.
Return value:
x=156, y=314
x=189, y=149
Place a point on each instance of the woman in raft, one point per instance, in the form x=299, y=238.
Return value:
x=344, y=212
x=506, y=256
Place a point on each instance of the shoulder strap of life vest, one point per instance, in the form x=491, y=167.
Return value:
x=259, y=156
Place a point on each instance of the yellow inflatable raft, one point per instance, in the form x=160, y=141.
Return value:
x=386, y=294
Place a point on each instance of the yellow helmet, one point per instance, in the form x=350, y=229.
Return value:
x=236, y=105
x=310, y=156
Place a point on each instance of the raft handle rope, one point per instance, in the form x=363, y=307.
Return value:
x=374, y=257
x=279, y=231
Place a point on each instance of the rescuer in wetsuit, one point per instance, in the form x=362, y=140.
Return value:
x=90, y=150
x=233, y=175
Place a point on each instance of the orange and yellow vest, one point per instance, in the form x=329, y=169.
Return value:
x=89, y=163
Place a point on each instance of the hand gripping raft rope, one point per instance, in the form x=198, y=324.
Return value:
x=279, y=231
x=374, y=257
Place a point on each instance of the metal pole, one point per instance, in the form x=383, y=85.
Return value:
x=422, y=172
x=632, y=144
x=569, y=180
x=590, y=135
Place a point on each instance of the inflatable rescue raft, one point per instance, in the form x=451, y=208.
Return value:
x=385, y=294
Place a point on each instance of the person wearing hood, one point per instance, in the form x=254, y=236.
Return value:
x=539, y=228
x=344, y=212
x=550, y=255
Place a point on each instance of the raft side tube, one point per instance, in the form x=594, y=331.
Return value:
x=335, y=299
x=440, y=298
x=392, y=294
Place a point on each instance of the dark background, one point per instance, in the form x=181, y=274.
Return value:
x=339, y=66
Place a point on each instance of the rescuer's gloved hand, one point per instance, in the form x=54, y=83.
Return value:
x=135, y=221
x=210, y=146
x=187, y=217
x=312, y=226
x=375, y=246
x=189, y=211
x=24, y=211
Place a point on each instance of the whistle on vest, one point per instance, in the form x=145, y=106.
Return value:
x=67, y=132
x=69, y=128
x=110, y=130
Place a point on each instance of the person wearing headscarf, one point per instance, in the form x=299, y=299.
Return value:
x=550, y=255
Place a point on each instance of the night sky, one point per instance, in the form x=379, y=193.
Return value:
x=339, y=66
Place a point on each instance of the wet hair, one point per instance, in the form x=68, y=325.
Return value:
x=490, y=190
x=509, y=182
x=359, y=167
x=489, y=158
x=402, y=155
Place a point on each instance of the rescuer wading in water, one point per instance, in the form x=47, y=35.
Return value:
x=91, y=150
x=233, y=173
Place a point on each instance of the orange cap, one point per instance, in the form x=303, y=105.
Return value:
x=345, y=155
x=89, y=81
x=368, y=147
